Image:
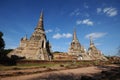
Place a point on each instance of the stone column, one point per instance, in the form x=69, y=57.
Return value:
x=44, y=43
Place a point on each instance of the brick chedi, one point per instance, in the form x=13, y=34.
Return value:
x=35, y=48
x=76, y=49
x=94, y=53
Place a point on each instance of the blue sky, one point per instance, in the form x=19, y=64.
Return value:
x=97, y=18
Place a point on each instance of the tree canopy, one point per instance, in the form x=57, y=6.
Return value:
x=2, y=43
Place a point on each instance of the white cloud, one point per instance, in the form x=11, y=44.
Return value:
x=99, y=10
x=78, y=22
x=95, y=35
x=68, y=35
x=76, y=12
x=64, y=35
x=85, y=21
x=57, y=36
x=49, y=30
x=109, y=11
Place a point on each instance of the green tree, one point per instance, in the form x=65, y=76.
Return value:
x=2, y=43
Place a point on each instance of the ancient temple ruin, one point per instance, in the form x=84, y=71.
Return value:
x=94, y=53
x=38, y=47
x=35, y=48
x=76, y=49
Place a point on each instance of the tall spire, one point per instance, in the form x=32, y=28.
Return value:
x=75, y=36
x=39, y=29
x=40, y=22
x=91, y=41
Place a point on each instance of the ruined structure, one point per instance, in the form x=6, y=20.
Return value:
x=38, y=48
x=35, y=48
x=94, y=53
x=76, y=49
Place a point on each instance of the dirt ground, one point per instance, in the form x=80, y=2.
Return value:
x=89, y=71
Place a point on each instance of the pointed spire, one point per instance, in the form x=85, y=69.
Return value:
x=25, y=37
x=75, y=36
x=91, y=40
x=41, y=16
x=40, y=22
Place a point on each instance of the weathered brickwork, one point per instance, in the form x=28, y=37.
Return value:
x=37, y=47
